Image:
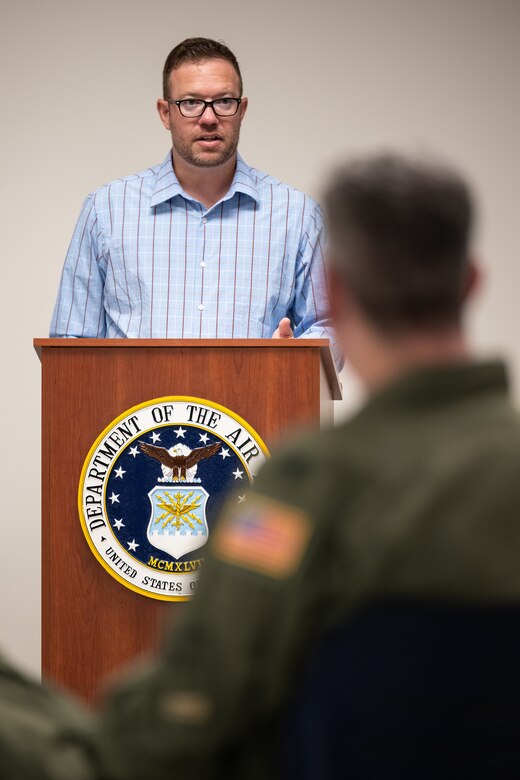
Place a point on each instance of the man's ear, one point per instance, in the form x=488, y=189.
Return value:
x=339, y=294
x=163, y=109
x=243, y=107
x=472, y=282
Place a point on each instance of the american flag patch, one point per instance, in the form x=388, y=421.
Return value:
x=263, y=535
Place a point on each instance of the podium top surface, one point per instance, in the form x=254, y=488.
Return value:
x=240, y=343
x=322, y=345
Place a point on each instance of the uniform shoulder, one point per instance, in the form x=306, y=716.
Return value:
x=310, y=476
x=307, y=461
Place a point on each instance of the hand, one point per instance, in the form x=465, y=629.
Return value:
x=283, y=331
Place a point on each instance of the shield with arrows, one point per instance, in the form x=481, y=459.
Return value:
x=178, y=522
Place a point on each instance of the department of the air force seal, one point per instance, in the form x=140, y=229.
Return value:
x=152, y=486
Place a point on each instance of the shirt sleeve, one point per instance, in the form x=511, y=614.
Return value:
x=310, y=313
x=79, y=310
x=204, y=707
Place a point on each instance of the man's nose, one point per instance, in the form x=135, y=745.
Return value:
x=208, y=116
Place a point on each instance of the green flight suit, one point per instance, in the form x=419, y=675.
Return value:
x=417, y=495
x=43, y=735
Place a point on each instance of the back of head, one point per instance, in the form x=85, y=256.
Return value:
x=400, y=231
x=198, y=50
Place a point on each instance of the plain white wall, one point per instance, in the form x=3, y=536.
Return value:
x=79, y=84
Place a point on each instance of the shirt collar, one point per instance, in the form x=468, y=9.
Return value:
x=244, y=181
x=167, y=185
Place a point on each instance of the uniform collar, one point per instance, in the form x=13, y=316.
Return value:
x=442, y=384
x=167, y=185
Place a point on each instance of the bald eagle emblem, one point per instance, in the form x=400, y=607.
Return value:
x=179, y=462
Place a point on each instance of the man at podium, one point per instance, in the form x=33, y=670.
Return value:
x=202, y=245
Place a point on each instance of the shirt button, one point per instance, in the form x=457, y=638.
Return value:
x=204, y=220
x=203, y=264
x=201, y=307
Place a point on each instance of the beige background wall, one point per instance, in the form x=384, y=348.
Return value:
x=324, y=78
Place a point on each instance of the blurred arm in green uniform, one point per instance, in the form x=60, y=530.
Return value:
x=416, y=495
x=43, y=734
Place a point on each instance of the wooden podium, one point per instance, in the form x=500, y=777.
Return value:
x=91, y=624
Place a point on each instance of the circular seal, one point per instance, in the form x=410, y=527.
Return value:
x=152, y=486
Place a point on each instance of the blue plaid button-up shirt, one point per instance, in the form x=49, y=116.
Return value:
x=148, y=261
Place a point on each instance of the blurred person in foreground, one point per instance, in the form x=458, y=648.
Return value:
x=416, y=496
x=43, y=734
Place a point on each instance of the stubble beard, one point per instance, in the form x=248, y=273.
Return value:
x=206, y=159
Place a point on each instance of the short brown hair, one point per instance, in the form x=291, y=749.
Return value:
x=400, y=230
x=197, y=50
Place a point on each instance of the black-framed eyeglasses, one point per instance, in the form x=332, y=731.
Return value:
x=191, y=108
